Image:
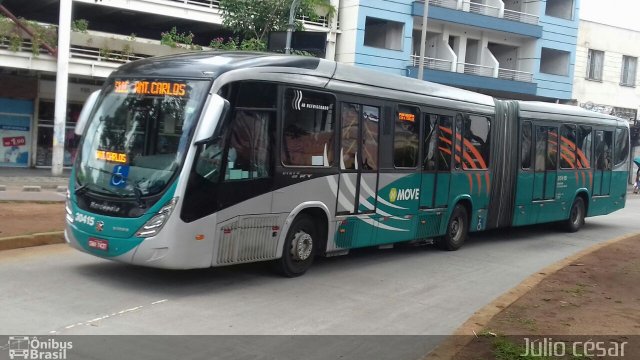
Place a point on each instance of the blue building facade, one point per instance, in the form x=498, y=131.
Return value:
x=507, y=48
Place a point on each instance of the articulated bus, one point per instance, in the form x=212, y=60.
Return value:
x=212, y=159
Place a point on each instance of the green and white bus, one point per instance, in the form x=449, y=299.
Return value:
x=213, y=159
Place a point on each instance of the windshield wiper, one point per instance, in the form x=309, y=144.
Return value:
x=81, y=189
x=138, y=193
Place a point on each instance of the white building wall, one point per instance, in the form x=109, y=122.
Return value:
x=615, y=42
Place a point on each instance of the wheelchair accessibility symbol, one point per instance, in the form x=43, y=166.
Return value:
x=119, y=176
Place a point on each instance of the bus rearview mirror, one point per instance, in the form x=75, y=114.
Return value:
x=83, y=118
x=215, y=110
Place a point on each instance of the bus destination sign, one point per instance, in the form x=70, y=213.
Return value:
x=156, y=88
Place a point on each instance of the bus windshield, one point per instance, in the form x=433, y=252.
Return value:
x=138, y=135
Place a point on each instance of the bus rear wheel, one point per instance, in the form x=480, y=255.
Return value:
x=457, y=230
x=299, y=248
x=576, y=216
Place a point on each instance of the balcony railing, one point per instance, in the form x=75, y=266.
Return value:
x=432, y=63
x=472, y=69
x=215, y=5
x=521, y=17
x=483, y=9
x=515, y=75
x=451, y=4
x=75, y=52
x=475, y=69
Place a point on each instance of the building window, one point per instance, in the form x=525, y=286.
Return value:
x=628, y=77
x=560, y=8
x=383, y=34
x=595, y=61
x=555, y=62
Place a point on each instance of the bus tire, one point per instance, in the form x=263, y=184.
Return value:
x=457, y=230
x=576, y=216
x=299, y=247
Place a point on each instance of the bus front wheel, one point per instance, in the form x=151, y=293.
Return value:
x=576, y=216
x=457, y=230
x=299, y=247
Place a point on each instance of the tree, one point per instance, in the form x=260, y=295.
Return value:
x=254, y=19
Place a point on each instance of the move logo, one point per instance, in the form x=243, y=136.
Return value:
x=403, y=194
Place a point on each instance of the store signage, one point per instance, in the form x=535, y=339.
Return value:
x=14, y=141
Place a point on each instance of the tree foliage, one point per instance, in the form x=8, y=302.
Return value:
x=254, y=19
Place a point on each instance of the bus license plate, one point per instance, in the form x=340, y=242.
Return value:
x=99, y=244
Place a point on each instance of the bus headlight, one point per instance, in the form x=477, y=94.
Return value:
x=67, y=208
x=155, y=224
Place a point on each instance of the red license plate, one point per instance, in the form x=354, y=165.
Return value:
x=99, y=244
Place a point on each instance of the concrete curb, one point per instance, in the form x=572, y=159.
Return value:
x=17, y=242
x=449, y=348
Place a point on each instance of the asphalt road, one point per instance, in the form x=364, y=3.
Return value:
x=402, y=291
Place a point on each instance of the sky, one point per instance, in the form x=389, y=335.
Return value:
x=622, y=13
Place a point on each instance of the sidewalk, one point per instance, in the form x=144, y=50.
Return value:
x=32, y=179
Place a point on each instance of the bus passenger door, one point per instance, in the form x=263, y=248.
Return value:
x=358, y=173
x=436, y=175
x=604, y=162
x=545, y=176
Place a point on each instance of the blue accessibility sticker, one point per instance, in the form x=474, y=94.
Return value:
x=119, y=176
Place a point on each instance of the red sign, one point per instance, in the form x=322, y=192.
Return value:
x=14, y=141
x=99, y=244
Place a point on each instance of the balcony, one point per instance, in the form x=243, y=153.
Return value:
x=473, y=69
x=93, y=54
x=486, y=14
x=469, y=75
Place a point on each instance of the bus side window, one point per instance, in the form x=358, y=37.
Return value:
x=406, y=139
x=567, y=147
x=308, y=129
x=584, y=144
x=445, y=142
x=476, y=132
x=349, y=135
x=552, y=149
x=249, y=153
x=430, y=157
x=526, y=143
x=622, y=146
x=604, y=151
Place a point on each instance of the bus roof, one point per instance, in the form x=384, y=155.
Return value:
x=343, y=77
x=211, y=64
x=550, y=111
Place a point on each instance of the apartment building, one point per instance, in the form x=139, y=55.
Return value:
x=118, y=31
x=606, y=70
x=523, y=49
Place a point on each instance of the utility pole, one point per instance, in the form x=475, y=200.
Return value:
x=423, y=40
x=292, y=25
x=62, y=82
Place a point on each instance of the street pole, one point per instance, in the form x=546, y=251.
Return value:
x=423, y=40
x=292, y=25
x=62, y=80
